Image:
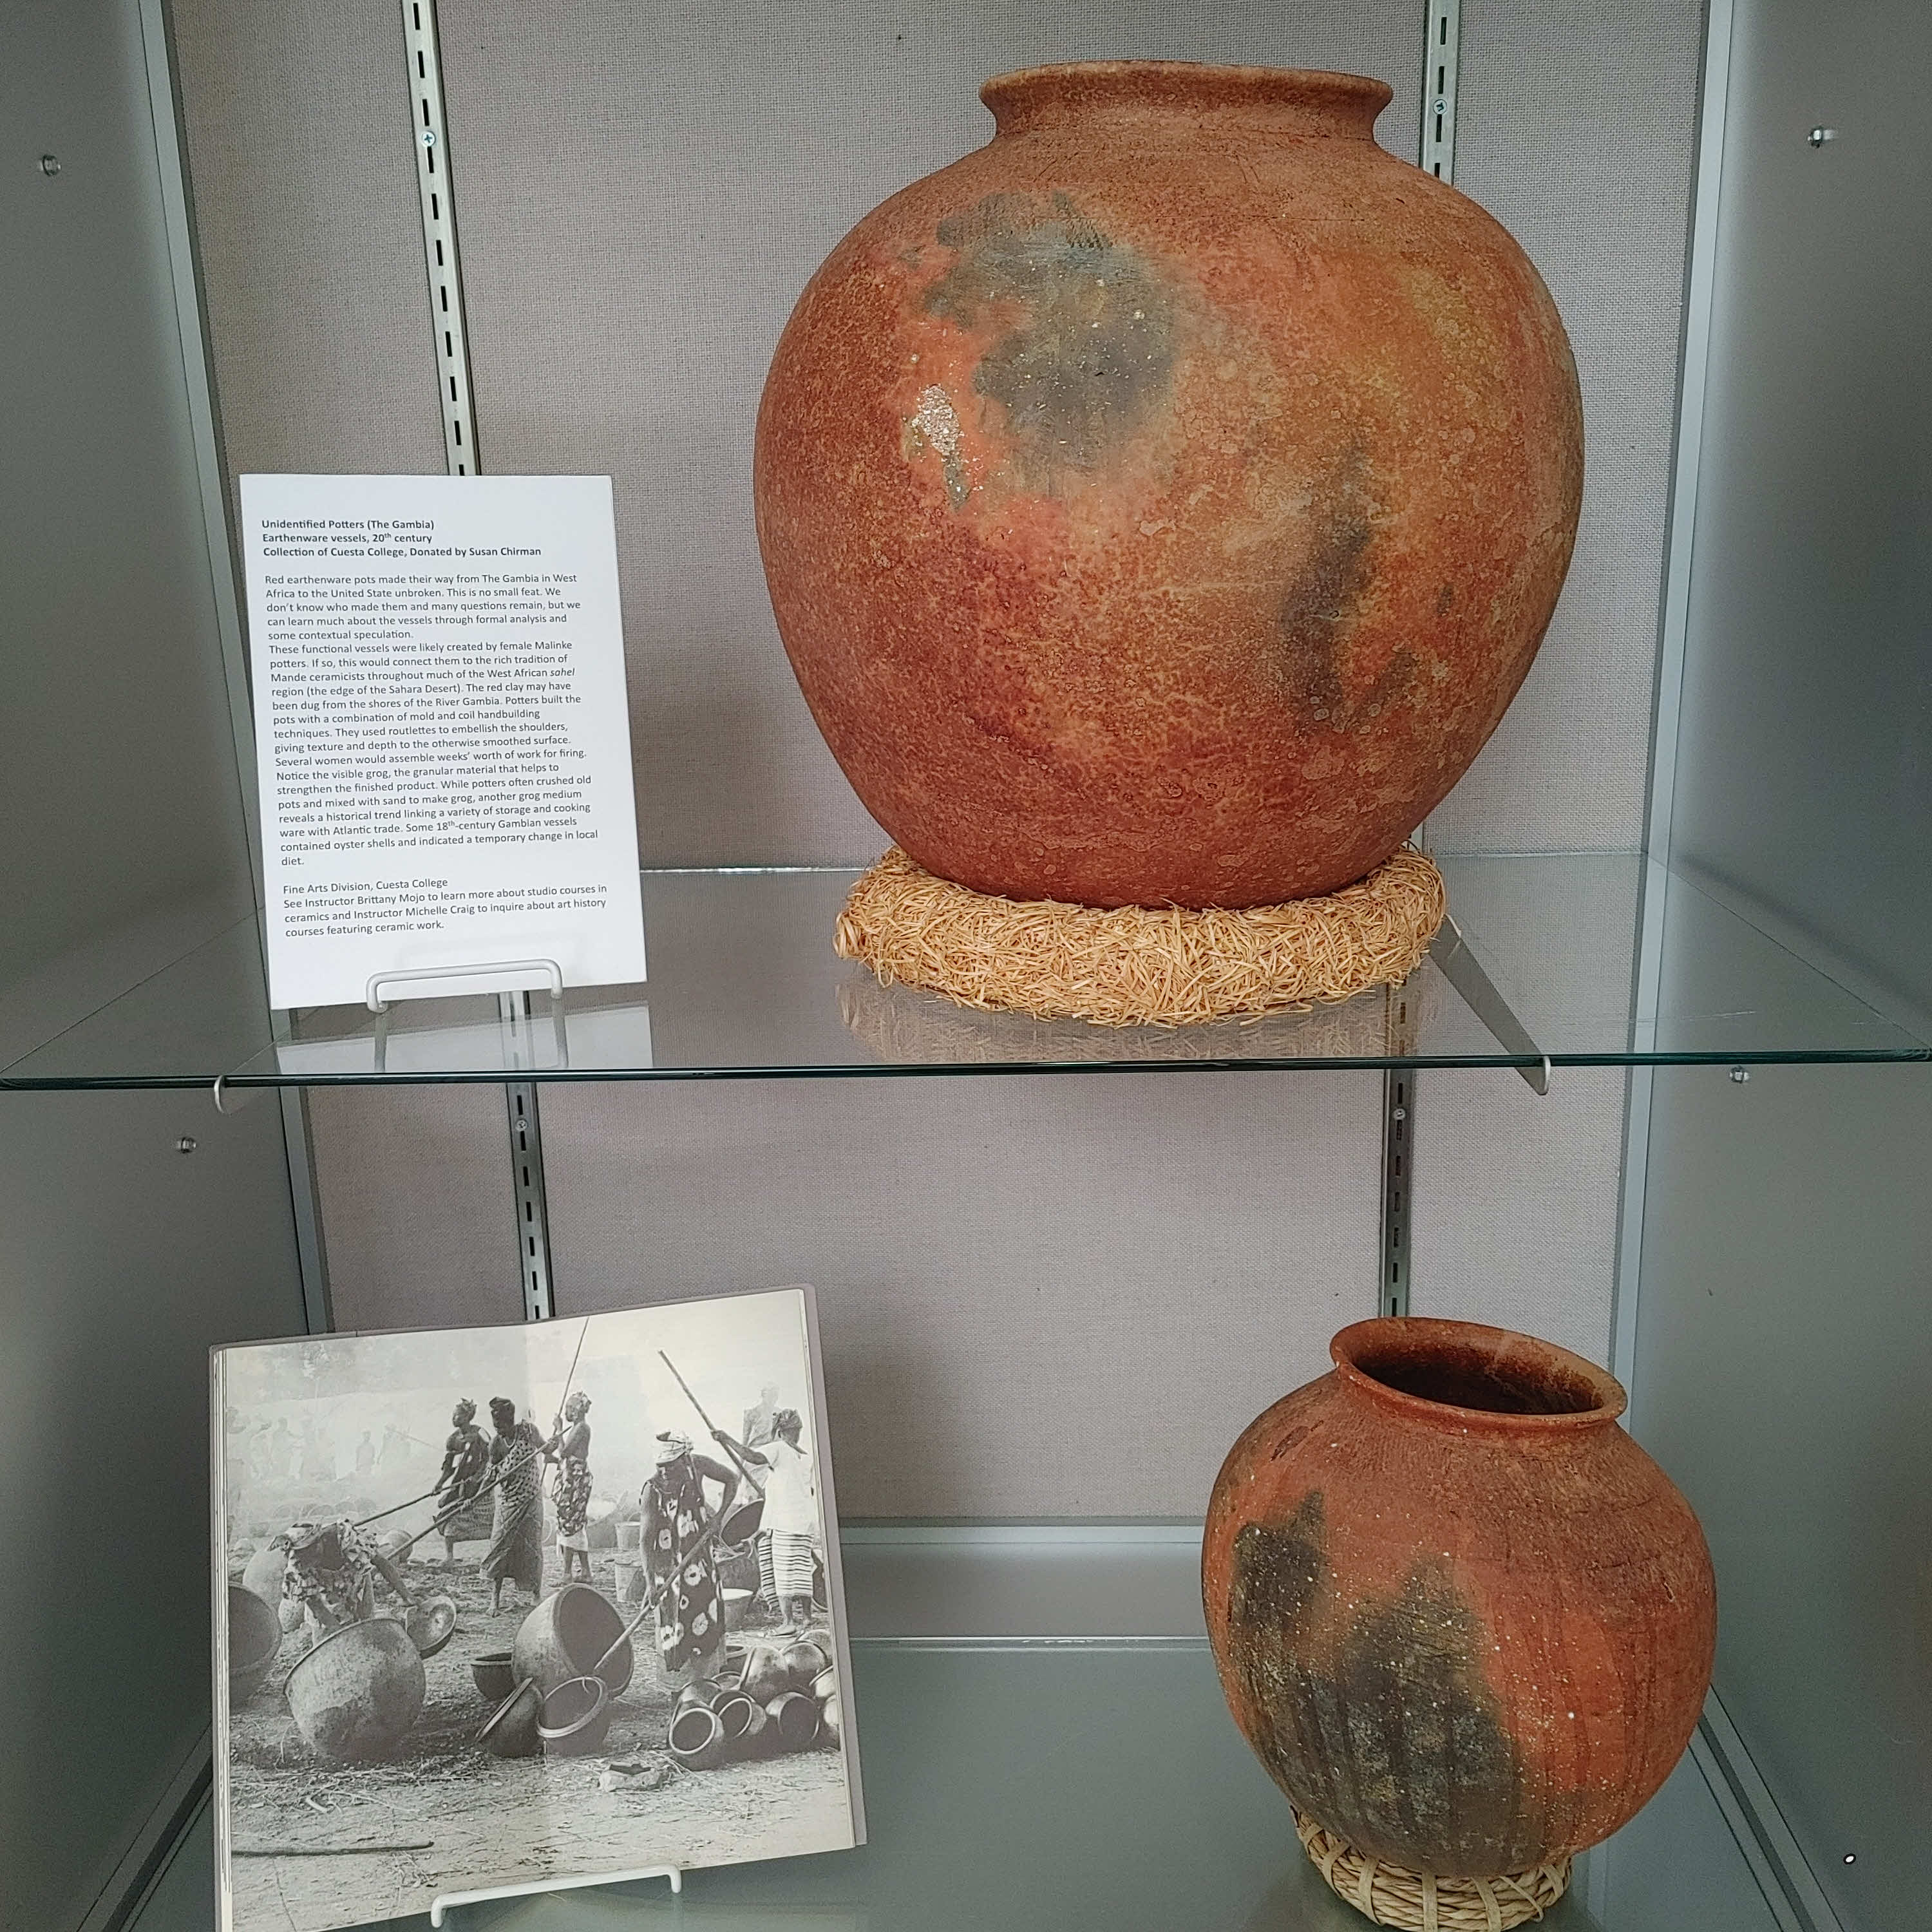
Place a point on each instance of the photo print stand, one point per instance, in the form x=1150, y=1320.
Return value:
x=511, y=980
x=446, y=1901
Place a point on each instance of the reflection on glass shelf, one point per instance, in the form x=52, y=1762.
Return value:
x=744, y=982
x=1079, y=1788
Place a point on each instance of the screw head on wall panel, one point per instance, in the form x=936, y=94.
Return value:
x=1819, y=136
x=1739, y=1075
x=428, y=137
x=186, y=1144
x=50, y=164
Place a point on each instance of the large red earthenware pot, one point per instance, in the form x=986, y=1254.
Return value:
x=1464, y=1621
x=355, y=1695
x=1161, y=504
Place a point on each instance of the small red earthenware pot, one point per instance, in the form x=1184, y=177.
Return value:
x=1464, y=1621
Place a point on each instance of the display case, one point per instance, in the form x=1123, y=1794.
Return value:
x=1659, y=1091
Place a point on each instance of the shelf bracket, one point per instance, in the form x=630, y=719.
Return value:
x=429, y=132
x=423, y=62
x=1465, y=972
x=527, y=1179
x=1442, y=47
x=1398, y=1154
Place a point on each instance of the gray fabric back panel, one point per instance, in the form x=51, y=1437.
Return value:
x=311, y=243
x=643, y=190
x=418, y=1214
x=1056, y=1296
x=1515, y=1202
x=1575, y=129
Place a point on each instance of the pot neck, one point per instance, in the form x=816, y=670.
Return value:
x=1182, y=95
x=1462, y=1378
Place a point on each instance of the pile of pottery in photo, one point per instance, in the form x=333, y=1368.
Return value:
x=782, y=1700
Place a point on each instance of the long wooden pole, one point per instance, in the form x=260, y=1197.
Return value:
x=511, y=1464
x=715, y=1432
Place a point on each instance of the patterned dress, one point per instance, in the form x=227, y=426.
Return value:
x=573, y=1489
x=516, y=1531
x=464, y=1514
x=333, y=1577
x=681, y=1568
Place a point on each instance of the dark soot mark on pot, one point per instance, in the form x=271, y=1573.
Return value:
x=1319, y=609
x=1276, y=1570
x=1090, y=357
x=1389, y=1735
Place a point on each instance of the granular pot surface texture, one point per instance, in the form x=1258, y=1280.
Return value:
x=1161, y=505
x=1464, y=1621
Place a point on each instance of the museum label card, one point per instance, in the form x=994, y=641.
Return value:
x=441, y=729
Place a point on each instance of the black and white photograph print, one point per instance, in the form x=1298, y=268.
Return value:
x=497, y=1606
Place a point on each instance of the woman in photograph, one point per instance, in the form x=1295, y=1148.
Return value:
x=569, y=1448
x=515, y=1555
x=331, y=1575
x=463, y=1514
x=788, y=1532
x=679, y=1550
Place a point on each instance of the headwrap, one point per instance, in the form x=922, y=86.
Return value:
x=671, y=1446
x=787, y=1419
x=501, y=1407
x=306, y=1535
x=465, y=1412
x=575, y=1408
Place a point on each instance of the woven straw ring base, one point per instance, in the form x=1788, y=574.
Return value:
x=1139, y=965
x=1419, y=1903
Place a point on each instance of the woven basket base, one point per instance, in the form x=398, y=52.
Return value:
x=1418, y=1902
x=1139, y=965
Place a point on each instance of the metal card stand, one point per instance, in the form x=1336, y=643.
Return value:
x=447, y=1901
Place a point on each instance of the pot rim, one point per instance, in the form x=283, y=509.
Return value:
x=1415, y=1334
x=1321, y=101
x=714, y=1732
x=343, y=1629
x=599, y=1704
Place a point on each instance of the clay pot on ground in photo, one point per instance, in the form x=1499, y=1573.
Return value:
x=254, y=1643
x=764, y=1676
x=700, y=1691
x=1161, y=504
x=566, y=1633
x=431, y=1623
x=736, y=1603
x=748, y=1731
x=825, y=1685
x=511, y=1729
x=494, y=1676
x=356, y=1694
x=795, y=1719
x=832, y=1721
x=696, y=1738
x=575, y=1717
x=1466, y=1622
x=803, y=1661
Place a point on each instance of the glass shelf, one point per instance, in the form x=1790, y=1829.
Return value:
x=1081, y=1787
x=744, y=983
